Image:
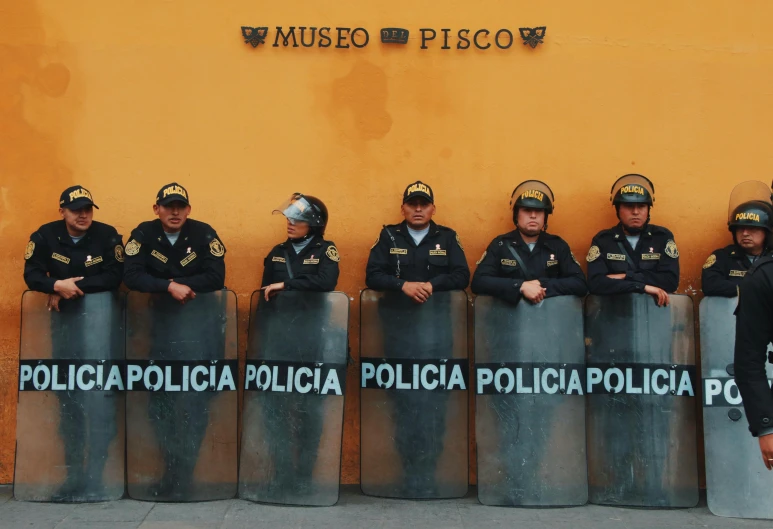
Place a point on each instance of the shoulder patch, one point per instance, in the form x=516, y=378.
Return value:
x=671, y=249
x=593, y=254
x=133, y=247
x=482, y=257
x=459, y=242
x=378, y=238
x=119, y=253
x=332, y=253
x=216, y=248
x=710, y=261
x=29, y=250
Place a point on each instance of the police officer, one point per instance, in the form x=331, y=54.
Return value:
x=750, y=224
x=417, y=257
x=753, y=333
x=305, y=262
x=67, y=259
x=180, y=256
x=634, y=256
x=529, y=262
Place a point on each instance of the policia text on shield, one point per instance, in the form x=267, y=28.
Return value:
x=176, y=426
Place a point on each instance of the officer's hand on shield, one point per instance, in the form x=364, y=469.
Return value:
x=273, y=289
x=660, y=295
x=181, y=293
x=416, y=291
x=533, y=290
x=67, y=288
x=53, y=302
x=766, y=448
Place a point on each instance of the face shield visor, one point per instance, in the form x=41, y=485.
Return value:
x=749, y=191
x=298, y=209
x=633, y=189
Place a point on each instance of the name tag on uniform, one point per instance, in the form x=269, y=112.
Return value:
x=552, y=263
x=311, y=261
x=650, y=256
x=60, y=258
x=508, y=262
x=737, y=273
x=278, y=259
x=398, y=251
x=615, y=257
x=159, y=256
x=92, y=261
x=188, y=259
x=437, y=252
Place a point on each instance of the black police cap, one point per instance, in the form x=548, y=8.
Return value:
x=418, y=189
x=173, y=192
x=76, y=197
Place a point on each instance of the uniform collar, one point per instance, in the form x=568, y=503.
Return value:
x=314, y=242
x=64, y=236
x=402, y=228
x=160, y=234
x=543, y=239
x=645, y=233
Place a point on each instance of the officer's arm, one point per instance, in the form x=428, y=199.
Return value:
x=599, y=283
x=486, y=281
x=112, y=268
x=36, y=266
x=379, y=273
x=212, y=276
x=458, y=276
x=572, y=280
x=665, y=275
x=324, y=280
x=135, y=270
x=754, y=329
x=268, y=275
x=714, y=281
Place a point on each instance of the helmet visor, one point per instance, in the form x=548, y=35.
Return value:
x=298, y=209
x=532, y=193
x=746, y=192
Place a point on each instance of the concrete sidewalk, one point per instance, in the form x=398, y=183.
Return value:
x=353, y=511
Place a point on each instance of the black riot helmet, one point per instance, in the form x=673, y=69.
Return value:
x=754, y=213
x=305, y=208
x=632, y=189
x=533, y=194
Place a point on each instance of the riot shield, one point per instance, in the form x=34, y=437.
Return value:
x=70, y=418
x=737, y=483
x=530, y=403
x=413, y=395
x=745, y=192
x=640, y=361
x=181, y=407
x=293, y=411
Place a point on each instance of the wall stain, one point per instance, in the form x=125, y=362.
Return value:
x=363, y=92
x=32, y=175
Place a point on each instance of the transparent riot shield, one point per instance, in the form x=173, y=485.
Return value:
x=745, y=192
x=737, y=483
x=70, y=418
x=641, y=415
x=292, y=421
x=530, y=402
x=181, y=408
x=413, y=395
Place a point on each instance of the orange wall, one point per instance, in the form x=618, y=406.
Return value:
x=124, y=97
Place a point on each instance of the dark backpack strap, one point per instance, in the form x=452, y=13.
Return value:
x=394, y=245
x=627, y=256
x=520, y=262
x=287, y=264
